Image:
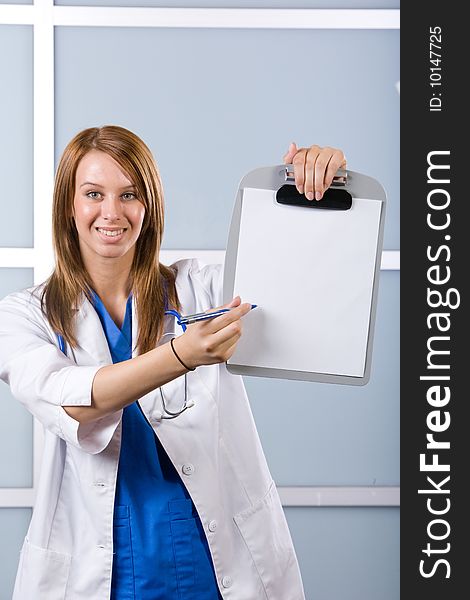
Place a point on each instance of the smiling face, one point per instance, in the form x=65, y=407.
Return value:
x=107, y=212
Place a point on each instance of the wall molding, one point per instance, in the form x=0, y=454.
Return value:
x=340, y=496
x=220, y=18
x=17, y=497
x=305, y=496
x=28, y=257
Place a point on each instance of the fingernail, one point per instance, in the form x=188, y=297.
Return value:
x=301, y=189
x=318, y=195
x=310, y=195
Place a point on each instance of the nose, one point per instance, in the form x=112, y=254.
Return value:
x=111, y=208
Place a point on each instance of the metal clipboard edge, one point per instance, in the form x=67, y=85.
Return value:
x=272, y=178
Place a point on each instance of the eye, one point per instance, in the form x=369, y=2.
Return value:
x=128, y=196
x=93, y=195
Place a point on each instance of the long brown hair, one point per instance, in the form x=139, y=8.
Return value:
x=65, y=289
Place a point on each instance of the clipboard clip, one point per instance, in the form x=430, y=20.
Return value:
x=336, y=197
x=339, y=180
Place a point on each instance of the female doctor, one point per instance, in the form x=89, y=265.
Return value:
x=154, y=485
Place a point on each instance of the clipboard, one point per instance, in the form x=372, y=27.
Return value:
x=313, y=270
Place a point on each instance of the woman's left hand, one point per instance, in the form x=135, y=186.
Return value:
x=314, y=168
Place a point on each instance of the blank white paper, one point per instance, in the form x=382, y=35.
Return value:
x=311, y=273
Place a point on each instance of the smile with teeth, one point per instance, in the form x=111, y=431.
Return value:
x=110, y=232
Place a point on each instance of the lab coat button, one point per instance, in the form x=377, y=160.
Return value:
x=227, y=581
x=213, y=525
x=188, y=469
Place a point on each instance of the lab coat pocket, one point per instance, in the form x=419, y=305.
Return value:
x=264, y=529
x=42, y=573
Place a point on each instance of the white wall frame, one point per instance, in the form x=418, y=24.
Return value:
x=340, y=496
x=245, y=18
x=43, y=16
x=26, y=257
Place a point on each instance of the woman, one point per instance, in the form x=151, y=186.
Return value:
x=153, y=483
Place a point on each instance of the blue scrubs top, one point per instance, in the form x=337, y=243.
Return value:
x=160, y=548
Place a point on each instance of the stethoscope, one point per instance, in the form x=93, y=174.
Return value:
x=167, y=414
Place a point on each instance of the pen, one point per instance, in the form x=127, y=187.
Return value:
x=188, y=319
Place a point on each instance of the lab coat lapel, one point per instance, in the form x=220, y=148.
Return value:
x=90, y=334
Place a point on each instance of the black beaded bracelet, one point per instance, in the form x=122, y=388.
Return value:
x=174, y=352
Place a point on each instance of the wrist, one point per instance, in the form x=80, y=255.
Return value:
x=181, y=355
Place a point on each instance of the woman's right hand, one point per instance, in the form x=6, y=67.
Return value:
x=212, y=341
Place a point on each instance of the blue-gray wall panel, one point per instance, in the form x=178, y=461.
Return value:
x=16, y=442
x=214, y=104
x=14, y=280
x=13, y=525
x=326, y=434
x=347, y=553
x=16, y=125
x=16, y=423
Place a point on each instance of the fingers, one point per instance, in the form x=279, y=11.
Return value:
x=219, y=342
x=215, y=347
x=229, y=350
x=233, y=303
x=299, y=161
x=314, y=169
x=289, y=155
x=234, y=314
x=337, y=161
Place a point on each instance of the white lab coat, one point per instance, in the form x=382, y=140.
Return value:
x=68, y=550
